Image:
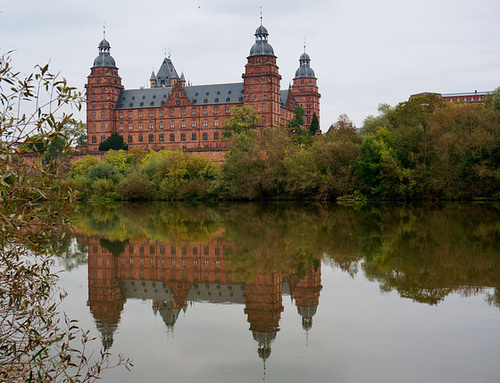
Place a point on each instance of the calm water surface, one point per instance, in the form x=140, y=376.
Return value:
x=289, y=292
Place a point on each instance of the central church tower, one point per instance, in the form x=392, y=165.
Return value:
x=261, y=80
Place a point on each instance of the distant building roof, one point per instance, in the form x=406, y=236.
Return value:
x=466, y=94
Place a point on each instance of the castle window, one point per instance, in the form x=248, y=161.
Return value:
x=172, y=113
x=264, y=87
x=205, y=100
x=152, y=103
x=193, y=123
x=183, y=112
x=228, y=99
x=193, y=136
x=257, y=70
x=217, y=99
x=183, y=124
x=161, y=113
x=94, y=139
x=129, y=115
x=161, y=137
x=141, y=104
x=129, y=126
x=103, y=115
x=252, y=88
x=228, y=110
x=264, y=119
x=151, y=126
x=172, y=137
x=195, y=251
x=94, y=127
x=129, y=138
x=103, y=126
x=120, y=126
x=131, y=105
x=172, y=124
x=264, y=107
x=263, y=96
x=205, y=136
x=229, y=92
x=216, y=110
x=150, y=114
x=161, y=125
x=140, y=125
x=241, y=98
x=206, y=94
x=103, y=138
x=151, y=137
x=177, y=102
x=140, y=114
x=140, y=137
x=193, y=112
x=205, y=122
x=183, y=137
x=120, y=115
x=251, y=80
x=216, y=135
x=216, y=122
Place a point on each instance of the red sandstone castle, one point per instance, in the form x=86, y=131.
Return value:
x=173, y=115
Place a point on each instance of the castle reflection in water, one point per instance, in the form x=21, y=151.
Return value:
x=173, y=276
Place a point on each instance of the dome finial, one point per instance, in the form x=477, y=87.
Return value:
x=104, y=30
x=261, y=16
x=304, y=45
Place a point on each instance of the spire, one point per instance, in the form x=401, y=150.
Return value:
x=261, y=46
x=305, y=70
x=104, y=59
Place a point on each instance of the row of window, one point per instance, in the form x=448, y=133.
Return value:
x=172, y=276
x=152, y=250
x=161, y=137
x=204, y=111
x=151, y=125
x=467, y=99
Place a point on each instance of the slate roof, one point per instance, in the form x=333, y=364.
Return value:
x=198, y=94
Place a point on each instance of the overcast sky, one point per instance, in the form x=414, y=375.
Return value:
x=364, y=52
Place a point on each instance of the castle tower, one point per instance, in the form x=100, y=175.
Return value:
x=167, y=75
x=263, y=308
x=104, y=297
x=261, y=80
x=306, y=293
x=305, y=89
x=103, y=89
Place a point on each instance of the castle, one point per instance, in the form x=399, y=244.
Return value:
x=173, y=115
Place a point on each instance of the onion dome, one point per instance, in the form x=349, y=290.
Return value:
x=261, y=46
x=305, y=70
x=104, y=59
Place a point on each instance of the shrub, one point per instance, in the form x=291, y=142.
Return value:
x=136, y=187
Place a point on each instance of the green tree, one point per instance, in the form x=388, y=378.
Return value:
x=314, y=127
x=335, y=155
x=242, y=120
x=114, y=141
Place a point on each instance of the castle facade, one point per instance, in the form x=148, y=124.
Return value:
x=174, y=115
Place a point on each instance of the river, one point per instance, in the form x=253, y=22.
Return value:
x=289, y=292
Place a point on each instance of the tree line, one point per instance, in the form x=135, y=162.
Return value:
x=420, y=149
